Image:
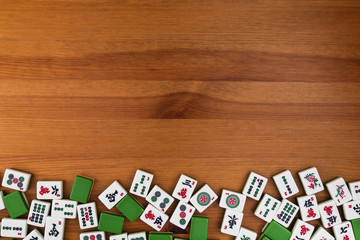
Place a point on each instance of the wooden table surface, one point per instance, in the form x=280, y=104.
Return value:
x=212, y=89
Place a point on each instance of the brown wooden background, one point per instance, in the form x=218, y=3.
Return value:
x=212, y=89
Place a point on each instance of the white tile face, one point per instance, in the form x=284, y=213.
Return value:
x=87, y=215
x=184, y=188
x=267, y=208
x=255, y=186
x=39, y=211
x=34, y=235
x=95, y=235
x=231, y=222
x=16, y=180
x=339, y=191
x=232, y=200
x=141, y=183
x=246, y=234
x=302, y=230
x=137, y=236
x=344, y=231
x=159, y=198
x=49, y=190
x=355, y=190
x=329, y=214
x=123, y=236
x=2, y=206
x=16, y=228
x=64, y=208
x=351, y=210
x=311, y=181
x=112, y=195
x=154, y=218
x=309, y=209
x=54, y=228
x=286, y=213
x=203, y=198
x=322, y=234
x=182, y=215
x=285, y=183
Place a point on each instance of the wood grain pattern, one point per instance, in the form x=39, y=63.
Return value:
x=213, y=89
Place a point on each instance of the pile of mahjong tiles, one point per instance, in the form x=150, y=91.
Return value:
x=277, y=214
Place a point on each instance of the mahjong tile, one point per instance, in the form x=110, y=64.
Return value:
x=17, y=180
x=49, y=190
x=231, y=222
x=39, y=210
x=286, y=213
x=232, y=200
x=267, y=208
x=329, y=214
x=184, y=188
x=34, y=235
x=246, y=234
x=351, y=210
x=344, y=231
x=137, y=236
x=159, y=198
x=203, y=198
x=339, y=191
x=16, y=228
x=255, y=186
x=64, y=208
x=355, y=190
x=309, y=209
x=322, y=234
x=154, y=218
x=123, y=236
x=54, y=228
x=302, y=230
x=141, y=183
x=311, y=181
x=285, y=183
x=2, y=205
x=87, y=215
x=112, y=195
x=182, y=215
x=95, y=235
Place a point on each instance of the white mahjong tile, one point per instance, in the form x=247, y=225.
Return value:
x=16, y=228
x=232, y=200
x=184, y=188
x=17, y=180
x=123, y=236
x=309, y=209
x=255, y=186
x=246, y=234
x=267, y=208
x=351, y=210
x=54, y=228
x=64, y=208
x=203, y=198
x=154, y=218
x=87, y=215
x=39, y=211
x=322, y=234
x=2, y=205
x=137, y=236
x=231, y=222
x=34, y=235
x=355, y=190
x=311, y=181
x=182, y=215
x=94, y=235
x=112, y=195
x=285, y=183
x=329, y=214
x=141, y=183
x=344, y=231
x=159, y=198
x=286, y=213
x=302, y=230
x=339, y=191
x=49, y=190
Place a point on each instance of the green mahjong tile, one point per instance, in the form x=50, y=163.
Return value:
x=81, y=189
x=264, y=238
x=276, y=232
x=199, y=228
x=160, y=236
x=356, y=227
x=130, y=207
x=16, y=204
x=110, y=222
